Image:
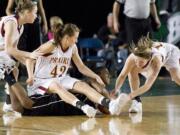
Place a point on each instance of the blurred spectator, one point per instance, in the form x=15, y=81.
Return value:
x=114, y=45
x=54, y=21
x=106, y=33
x=137, y=22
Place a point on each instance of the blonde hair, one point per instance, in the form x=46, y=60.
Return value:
x=56, y=20
x=25, y=5
x=143, y=47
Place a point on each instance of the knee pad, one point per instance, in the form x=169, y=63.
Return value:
x=9, y=78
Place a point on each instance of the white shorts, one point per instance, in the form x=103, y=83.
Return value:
x=174, y=59
x=6, y=63
x=41, y=86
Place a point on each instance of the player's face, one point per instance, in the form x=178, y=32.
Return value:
x=30, y=16
x=140, y=62
x=73, y=39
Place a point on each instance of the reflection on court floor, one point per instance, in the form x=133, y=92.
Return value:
x=161, y=116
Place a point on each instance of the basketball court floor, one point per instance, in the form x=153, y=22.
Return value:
x=161, y=116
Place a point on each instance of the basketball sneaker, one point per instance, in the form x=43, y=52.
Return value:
x=115, y=106
x=89, y=111
x=136, y=107
x=7, y=107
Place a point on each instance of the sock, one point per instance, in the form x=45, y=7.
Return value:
x=105, y=102
x=8, y=99
x=79, y=104
x=137, y=98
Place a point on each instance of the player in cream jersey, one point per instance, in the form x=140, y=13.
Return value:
x=147, y=58
x=65, y=50
x=55, y=64
x=169, y=53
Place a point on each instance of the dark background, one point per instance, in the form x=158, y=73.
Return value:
x=89, y=15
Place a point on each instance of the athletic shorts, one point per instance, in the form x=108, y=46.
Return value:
x=41, y=86
x=52, y=105
x=6, y=64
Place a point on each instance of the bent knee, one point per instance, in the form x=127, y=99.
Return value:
x=54, y=87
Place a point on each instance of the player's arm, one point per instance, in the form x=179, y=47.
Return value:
x=30, y=64
x=156, y=65
x=47, y=47
x=83, y=68
x=129, y=64
x=10, y=43
x=9, y=8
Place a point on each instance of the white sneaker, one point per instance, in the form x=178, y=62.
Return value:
x=89, y=111
x=136, y=107
x=7, y=107
x=115, y=106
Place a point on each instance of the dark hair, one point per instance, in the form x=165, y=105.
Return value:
x=142, y=48
x=25, y=5
x=62, y=30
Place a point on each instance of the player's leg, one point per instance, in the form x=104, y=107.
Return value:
x=18, y=90
x=7, y=105
x=93, y=95
x=69, y=98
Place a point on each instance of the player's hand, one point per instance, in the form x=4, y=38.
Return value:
x=30, y=81
x=35, y=54
x=99, y=80
x=113, y=94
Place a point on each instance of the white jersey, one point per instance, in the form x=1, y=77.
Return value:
x=6, y=61
x=170, y=57
x=169, y=52
x=18, y=31
x=53, y=65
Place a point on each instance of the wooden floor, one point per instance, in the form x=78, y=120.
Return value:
x=161, y=116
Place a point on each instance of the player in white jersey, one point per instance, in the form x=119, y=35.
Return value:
x=11, y=28
x=50, y=73
x=147, y=59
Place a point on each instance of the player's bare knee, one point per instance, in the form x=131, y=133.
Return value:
x=55, y=87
